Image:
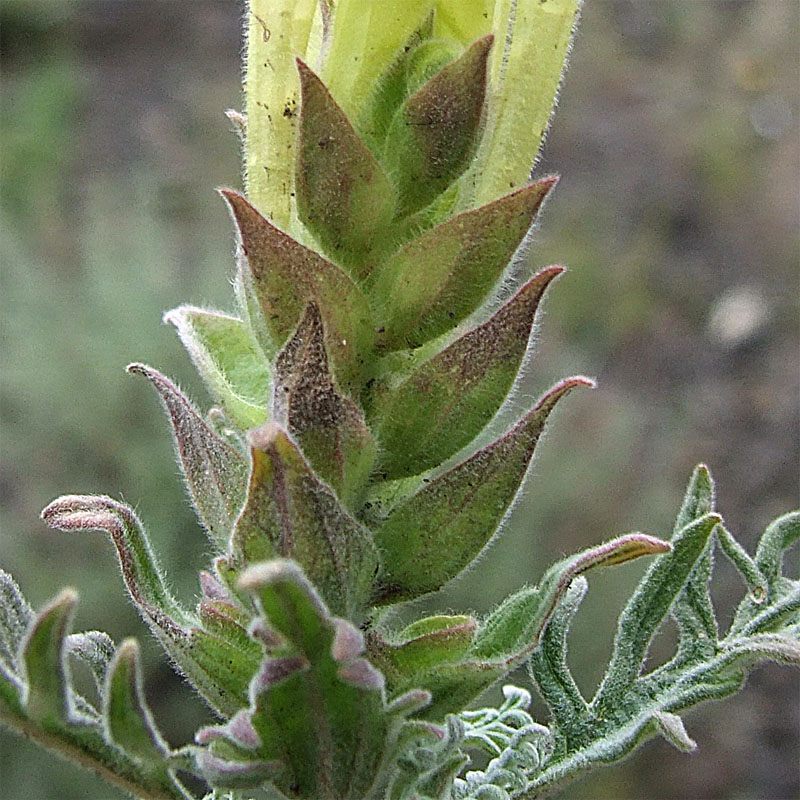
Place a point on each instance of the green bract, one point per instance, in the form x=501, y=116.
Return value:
x=378, y=331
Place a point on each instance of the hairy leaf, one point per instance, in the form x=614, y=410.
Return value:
x=290, y=513
x=629, y=706
x=516, y=627
x=391, y=89
x=649, y=605
x=329, y=427
x=317, y=725
x=215, y=472
x=228, y=360
x=343, y=195
x=445, y=402
x=46, y=677
x=548, y=664
x=205, y=661
x=16, y=616
x=404, y=658
x=128, y=720
x=285, y=277
x=95, y=649
x=441, y=277
x=436, y=131
x=529, y=66
x=273, y=93
x=430, y=537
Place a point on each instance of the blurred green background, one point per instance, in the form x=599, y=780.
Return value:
x=677, y=214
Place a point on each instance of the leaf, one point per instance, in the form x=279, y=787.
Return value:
x=516, y=627
x=673, y=730
x=215, y=472
x=95, y=649
x=128, y=719
x=290, y=513
x=316, y=725
x=435, y=133
x=434, y=534
x=744, y=563
x=698, y=499
x=368, y=39
x=518, y=744
x=774, y=601
x=445, y=402
x=778, y=537
x=219, y=670
x=630, y=707
x=286, y=276
x=404, y=658
x=343, y=194
x=42, y=705
x=16, y=617
x=228, y=360
x=507, y=638
x=45, y=675
x=650, y=602
x=140, y=571
x=693, y=610
x=548, y=664
x=429, y=757
x=208, y=668
x=329, y=428
x=441, y=277
x=391, y=89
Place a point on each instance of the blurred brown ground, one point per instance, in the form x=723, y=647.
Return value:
x=677, y=214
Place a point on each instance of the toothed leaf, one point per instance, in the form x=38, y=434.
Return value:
x=316, y=725
x=215, y=472
x=228, y=360
x=441, y=277
x=430, y=537
x=343, y=195
x=444, y=403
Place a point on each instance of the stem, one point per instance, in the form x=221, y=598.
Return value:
x=75, y=754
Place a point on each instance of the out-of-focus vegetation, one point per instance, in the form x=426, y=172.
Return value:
x=677, y=215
